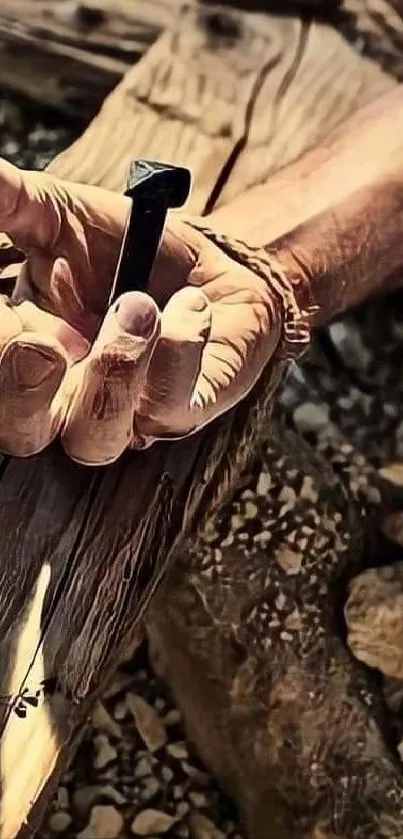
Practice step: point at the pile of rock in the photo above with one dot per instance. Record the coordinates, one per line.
(134, 774)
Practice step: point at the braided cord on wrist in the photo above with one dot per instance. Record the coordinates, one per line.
(296, 330)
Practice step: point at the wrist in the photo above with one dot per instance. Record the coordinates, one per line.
(290, 309)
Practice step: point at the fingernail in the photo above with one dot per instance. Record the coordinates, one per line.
(137, 314)
(32, 366)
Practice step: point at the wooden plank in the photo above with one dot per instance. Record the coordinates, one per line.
(80, 560)
(263, 80)
(64, 41)
(97, 38)
(306, 88)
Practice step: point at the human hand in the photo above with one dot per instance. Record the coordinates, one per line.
(155, 366)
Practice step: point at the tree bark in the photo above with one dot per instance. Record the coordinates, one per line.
(84, 549)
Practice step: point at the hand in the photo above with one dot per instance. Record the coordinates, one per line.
(155, 366)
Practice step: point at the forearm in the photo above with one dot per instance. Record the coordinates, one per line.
(335, 217)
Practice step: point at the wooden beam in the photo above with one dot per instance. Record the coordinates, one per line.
(46, 47)
(84, 549)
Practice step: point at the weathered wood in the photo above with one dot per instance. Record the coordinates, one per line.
(234, 105)
(97, 38)
(47, 47)
(80, 559)
(376, 27)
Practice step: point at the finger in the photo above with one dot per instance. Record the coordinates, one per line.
(103, 389)
(10, 323)
(59, 295)
(35, 350)
(165, 408)
(34, 318)
(31, 371)
(27, 213)
(31, 205)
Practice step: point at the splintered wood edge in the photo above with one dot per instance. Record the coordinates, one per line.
(30, 746)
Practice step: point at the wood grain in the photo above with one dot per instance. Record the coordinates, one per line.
(234, 105)
(376, 28)
(47, 46)
(84, 549)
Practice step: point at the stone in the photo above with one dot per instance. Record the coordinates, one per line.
(195, 774)
(105, 823)
(183, 809)
(202, 828)
(178, 750)
(172, 717)
(103, 721)
(143, 768)
(148, 723)
(120, 711)
(151, 789)
(152, 821)
(62, 798)
(311, 417)
(198, 799)
(59, 822)
(167, 774)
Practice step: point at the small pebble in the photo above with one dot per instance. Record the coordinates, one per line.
(60, 821)
(152, 821)
(62, 798)
(177, 792)
(202, 828)
(143, 768)
(102, 720)
(148, 723)
(120, 711)
(198, 799)
(167, 774)
(173, 717)
(195, 774)
(178, 750)
(105, 823)
(151, 789)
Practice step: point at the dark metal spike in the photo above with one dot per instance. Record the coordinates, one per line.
(154, 189)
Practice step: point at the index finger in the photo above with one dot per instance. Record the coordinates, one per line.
(27, 213)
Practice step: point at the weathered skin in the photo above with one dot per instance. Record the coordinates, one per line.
(247, 631)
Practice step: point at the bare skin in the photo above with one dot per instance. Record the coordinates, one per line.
(158, 365)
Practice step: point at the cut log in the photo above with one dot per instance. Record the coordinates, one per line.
(84, 549)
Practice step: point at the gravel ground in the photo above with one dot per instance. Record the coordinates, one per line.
(134, 774)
